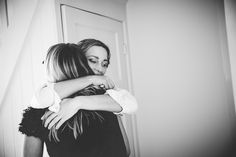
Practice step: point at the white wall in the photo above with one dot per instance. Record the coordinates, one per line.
(230, 14)
(27, 72)
(20, 14)
(181, 77)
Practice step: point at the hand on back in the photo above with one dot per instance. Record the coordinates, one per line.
(67, 109)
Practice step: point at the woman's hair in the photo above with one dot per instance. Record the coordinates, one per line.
(64, 62)
(88, 43)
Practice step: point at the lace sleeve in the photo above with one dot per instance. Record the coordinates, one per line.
(31, 123)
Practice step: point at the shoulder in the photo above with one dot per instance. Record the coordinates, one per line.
(31, 123)
(33, 113)
(43, 97)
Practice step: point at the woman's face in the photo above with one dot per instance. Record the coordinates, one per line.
(97, 59)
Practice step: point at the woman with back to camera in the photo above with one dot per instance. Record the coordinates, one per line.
(117, 100)
(88, 133)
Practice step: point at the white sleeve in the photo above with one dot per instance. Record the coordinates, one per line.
(126, 100)
(35, 101)
(49, 98)
(55, 107)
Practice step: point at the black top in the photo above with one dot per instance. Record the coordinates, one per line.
(99, 138)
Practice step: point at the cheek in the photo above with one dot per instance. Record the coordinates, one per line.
(104, 71)
(91, 66)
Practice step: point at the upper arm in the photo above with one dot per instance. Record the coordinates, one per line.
(43, 97)
(46, 96)
(33, 147)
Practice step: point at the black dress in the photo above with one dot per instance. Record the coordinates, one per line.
(100, 138)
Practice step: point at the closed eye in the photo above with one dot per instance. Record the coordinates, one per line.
(92, 61)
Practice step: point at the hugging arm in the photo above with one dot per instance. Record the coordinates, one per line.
(68, 87)
(69, 107)
(116, 101)
(33, 147)
(45, 96)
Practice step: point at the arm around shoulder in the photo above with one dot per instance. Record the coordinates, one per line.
(51, 93)
(43, 97)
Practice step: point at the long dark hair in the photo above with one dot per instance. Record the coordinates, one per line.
(64, 62)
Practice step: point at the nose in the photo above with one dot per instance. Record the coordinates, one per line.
(98, 70)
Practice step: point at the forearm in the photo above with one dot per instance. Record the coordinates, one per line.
(68, 87)
(115, 100)
(46, 95)
(98, 102)
(54, 92)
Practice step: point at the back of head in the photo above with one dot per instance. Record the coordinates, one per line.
(66, 61)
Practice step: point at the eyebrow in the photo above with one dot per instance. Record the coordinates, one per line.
(96, 57)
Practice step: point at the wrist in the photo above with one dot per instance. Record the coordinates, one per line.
(90, 79)
(79, 103)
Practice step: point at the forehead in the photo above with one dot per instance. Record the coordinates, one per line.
(97, 51)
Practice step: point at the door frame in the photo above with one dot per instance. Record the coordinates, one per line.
(115, 10)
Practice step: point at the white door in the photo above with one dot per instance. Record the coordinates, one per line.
(79, 24)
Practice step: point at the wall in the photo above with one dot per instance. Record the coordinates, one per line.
(26, 72)
(19, 15)
(35, 29)
(182, 80)
(230, 14)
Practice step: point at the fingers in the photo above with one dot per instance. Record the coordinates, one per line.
(58, 125)
(106, 83)
(54, 121)
(49, 119)
(45, 116)
(97, 87)
(103, 81)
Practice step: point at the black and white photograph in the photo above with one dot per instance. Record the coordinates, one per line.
(118, 78)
